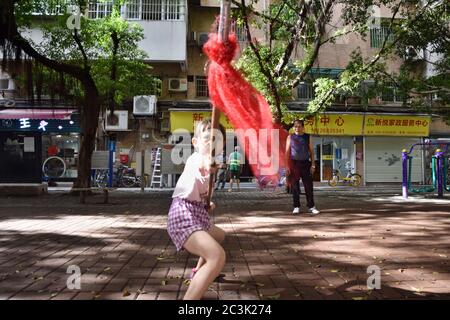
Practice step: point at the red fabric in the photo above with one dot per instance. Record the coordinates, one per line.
(244, 106)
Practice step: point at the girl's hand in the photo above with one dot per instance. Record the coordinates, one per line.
(212, 206)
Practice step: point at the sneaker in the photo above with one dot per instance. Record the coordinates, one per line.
(296, 210)
(313, 211)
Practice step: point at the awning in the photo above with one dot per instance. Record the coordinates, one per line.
(61, 114)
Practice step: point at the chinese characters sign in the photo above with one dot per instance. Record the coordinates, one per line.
(39, 125)
(329, 124)
(381, 125)
(335, 125)
(188, 120)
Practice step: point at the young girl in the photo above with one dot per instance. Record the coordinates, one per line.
(189, 223)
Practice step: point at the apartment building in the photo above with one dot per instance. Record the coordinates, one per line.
(368, 138)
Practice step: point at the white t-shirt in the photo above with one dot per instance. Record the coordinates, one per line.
(192, 185)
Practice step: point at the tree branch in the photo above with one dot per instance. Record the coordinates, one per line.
(319, 27)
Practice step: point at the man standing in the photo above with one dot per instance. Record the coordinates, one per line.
(221, 161)
(300, 165)
(235, 163)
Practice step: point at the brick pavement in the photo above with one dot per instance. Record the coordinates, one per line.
(124, 252)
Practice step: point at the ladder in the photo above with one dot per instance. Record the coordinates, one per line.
(156, 175)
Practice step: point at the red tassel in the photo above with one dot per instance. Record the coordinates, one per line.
(245, 107)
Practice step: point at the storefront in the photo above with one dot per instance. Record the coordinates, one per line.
(337, 143)
(369, 144)
(385, 136)
(28, 137)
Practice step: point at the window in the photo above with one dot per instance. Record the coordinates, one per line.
(305, 91)
(377, 36)
(4, 84)
(133, 10)
(155, 10)
(201, 86)
(241, 33)
(52, 7)
(99, 9)
(391, 94)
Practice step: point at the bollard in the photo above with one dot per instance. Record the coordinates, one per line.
(440, 173)
(405, 173)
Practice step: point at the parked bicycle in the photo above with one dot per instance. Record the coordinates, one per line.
(272, 181)
(353, 178)
(124, 176)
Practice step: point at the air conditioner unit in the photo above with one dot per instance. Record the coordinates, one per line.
(144, 105)
(116, 122)
(178, 84)
(202, 38)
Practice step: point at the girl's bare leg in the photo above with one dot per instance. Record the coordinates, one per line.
(201, 243)
(218, 235)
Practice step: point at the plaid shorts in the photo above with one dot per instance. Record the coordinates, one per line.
(185, 217)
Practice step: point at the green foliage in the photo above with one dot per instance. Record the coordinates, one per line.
(413, 26)
(101, 45)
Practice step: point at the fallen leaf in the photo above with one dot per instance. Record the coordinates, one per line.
(297, 295)
(141, 291)
(54, 294)
(160, 258)
(274, 297)
(318, 266)
(359, 298)
(38, 278)
(164, 282)
(334, 270)
(126, 293)
(401, 270)
(187, 282)
(442, 255)
(107, 269)
(96, 296)
(260, 284)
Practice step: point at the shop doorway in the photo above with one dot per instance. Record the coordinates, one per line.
(20, 157)
(337, 153)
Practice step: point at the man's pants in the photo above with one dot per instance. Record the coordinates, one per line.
(221, 178)
(303, 171)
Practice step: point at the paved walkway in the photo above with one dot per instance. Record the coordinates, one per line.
(123, 250)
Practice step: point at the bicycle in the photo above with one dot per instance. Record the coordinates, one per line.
(123, 177)
(353, 178)
(272, 181)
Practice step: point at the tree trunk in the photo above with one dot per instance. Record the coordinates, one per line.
(89, 123)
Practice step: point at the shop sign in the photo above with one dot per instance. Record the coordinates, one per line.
(188, 120)
(41, 125)
(335, 125)
(383, 125)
